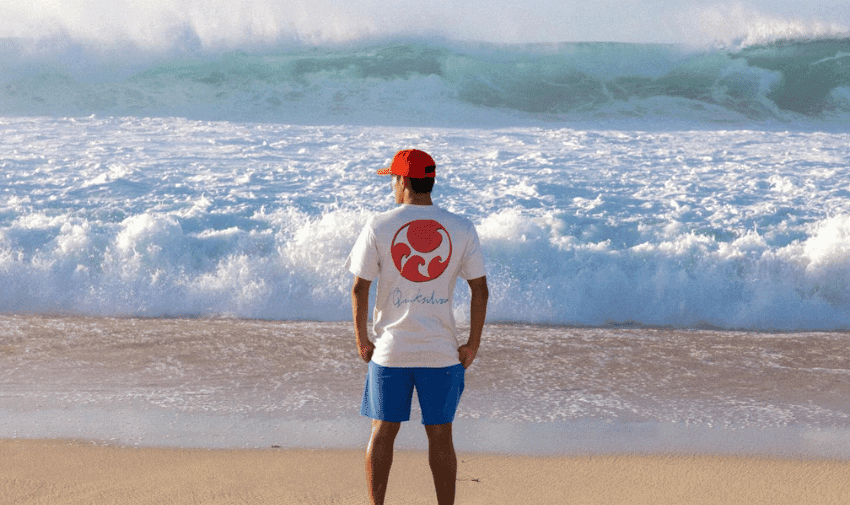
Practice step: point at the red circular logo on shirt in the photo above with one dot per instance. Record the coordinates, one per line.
(421, 250)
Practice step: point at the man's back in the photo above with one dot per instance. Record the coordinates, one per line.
(416, 252)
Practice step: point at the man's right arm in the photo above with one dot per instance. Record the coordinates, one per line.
(360, 311)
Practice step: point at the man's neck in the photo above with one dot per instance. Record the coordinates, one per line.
(411, 198)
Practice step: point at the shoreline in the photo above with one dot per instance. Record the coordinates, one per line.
(67, 472)
(139, 427)
(533, 390)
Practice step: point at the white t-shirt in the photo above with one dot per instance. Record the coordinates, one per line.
(416, 252)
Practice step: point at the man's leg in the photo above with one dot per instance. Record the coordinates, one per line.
(379, 458)
(443, 461)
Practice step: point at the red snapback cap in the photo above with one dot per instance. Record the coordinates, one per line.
(411, 163)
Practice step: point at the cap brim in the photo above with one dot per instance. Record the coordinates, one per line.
(385, 171)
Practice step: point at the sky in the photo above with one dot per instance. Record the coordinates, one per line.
(213, 23)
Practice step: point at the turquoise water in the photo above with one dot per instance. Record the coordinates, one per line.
(436, 82)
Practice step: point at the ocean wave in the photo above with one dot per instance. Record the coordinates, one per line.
(445, 83)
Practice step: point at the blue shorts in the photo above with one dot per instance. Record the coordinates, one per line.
(389, 392)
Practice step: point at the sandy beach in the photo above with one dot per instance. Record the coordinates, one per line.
(67, 472)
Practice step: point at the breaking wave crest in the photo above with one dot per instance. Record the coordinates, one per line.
(439, 82)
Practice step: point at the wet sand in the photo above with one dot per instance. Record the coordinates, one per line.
(534, 390)
(66, 472)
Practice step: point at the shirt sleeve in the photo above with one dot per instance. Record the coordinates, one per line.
(363, 260)
(473, 259)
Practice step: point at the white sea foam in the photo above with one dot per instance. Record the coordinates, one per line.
(580, 226)
(742, 24)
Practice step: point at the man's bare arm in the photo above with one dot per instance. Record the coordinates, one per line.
(360, 311)
(477, 314)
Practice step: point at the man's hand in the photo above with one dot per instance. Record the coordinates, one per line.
(366, 351)
(466, 353)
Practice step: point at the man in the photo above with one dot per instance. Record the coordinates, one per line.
(416, 251)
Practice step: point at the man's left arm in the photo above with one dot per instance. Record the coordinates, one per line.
(477, 313)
